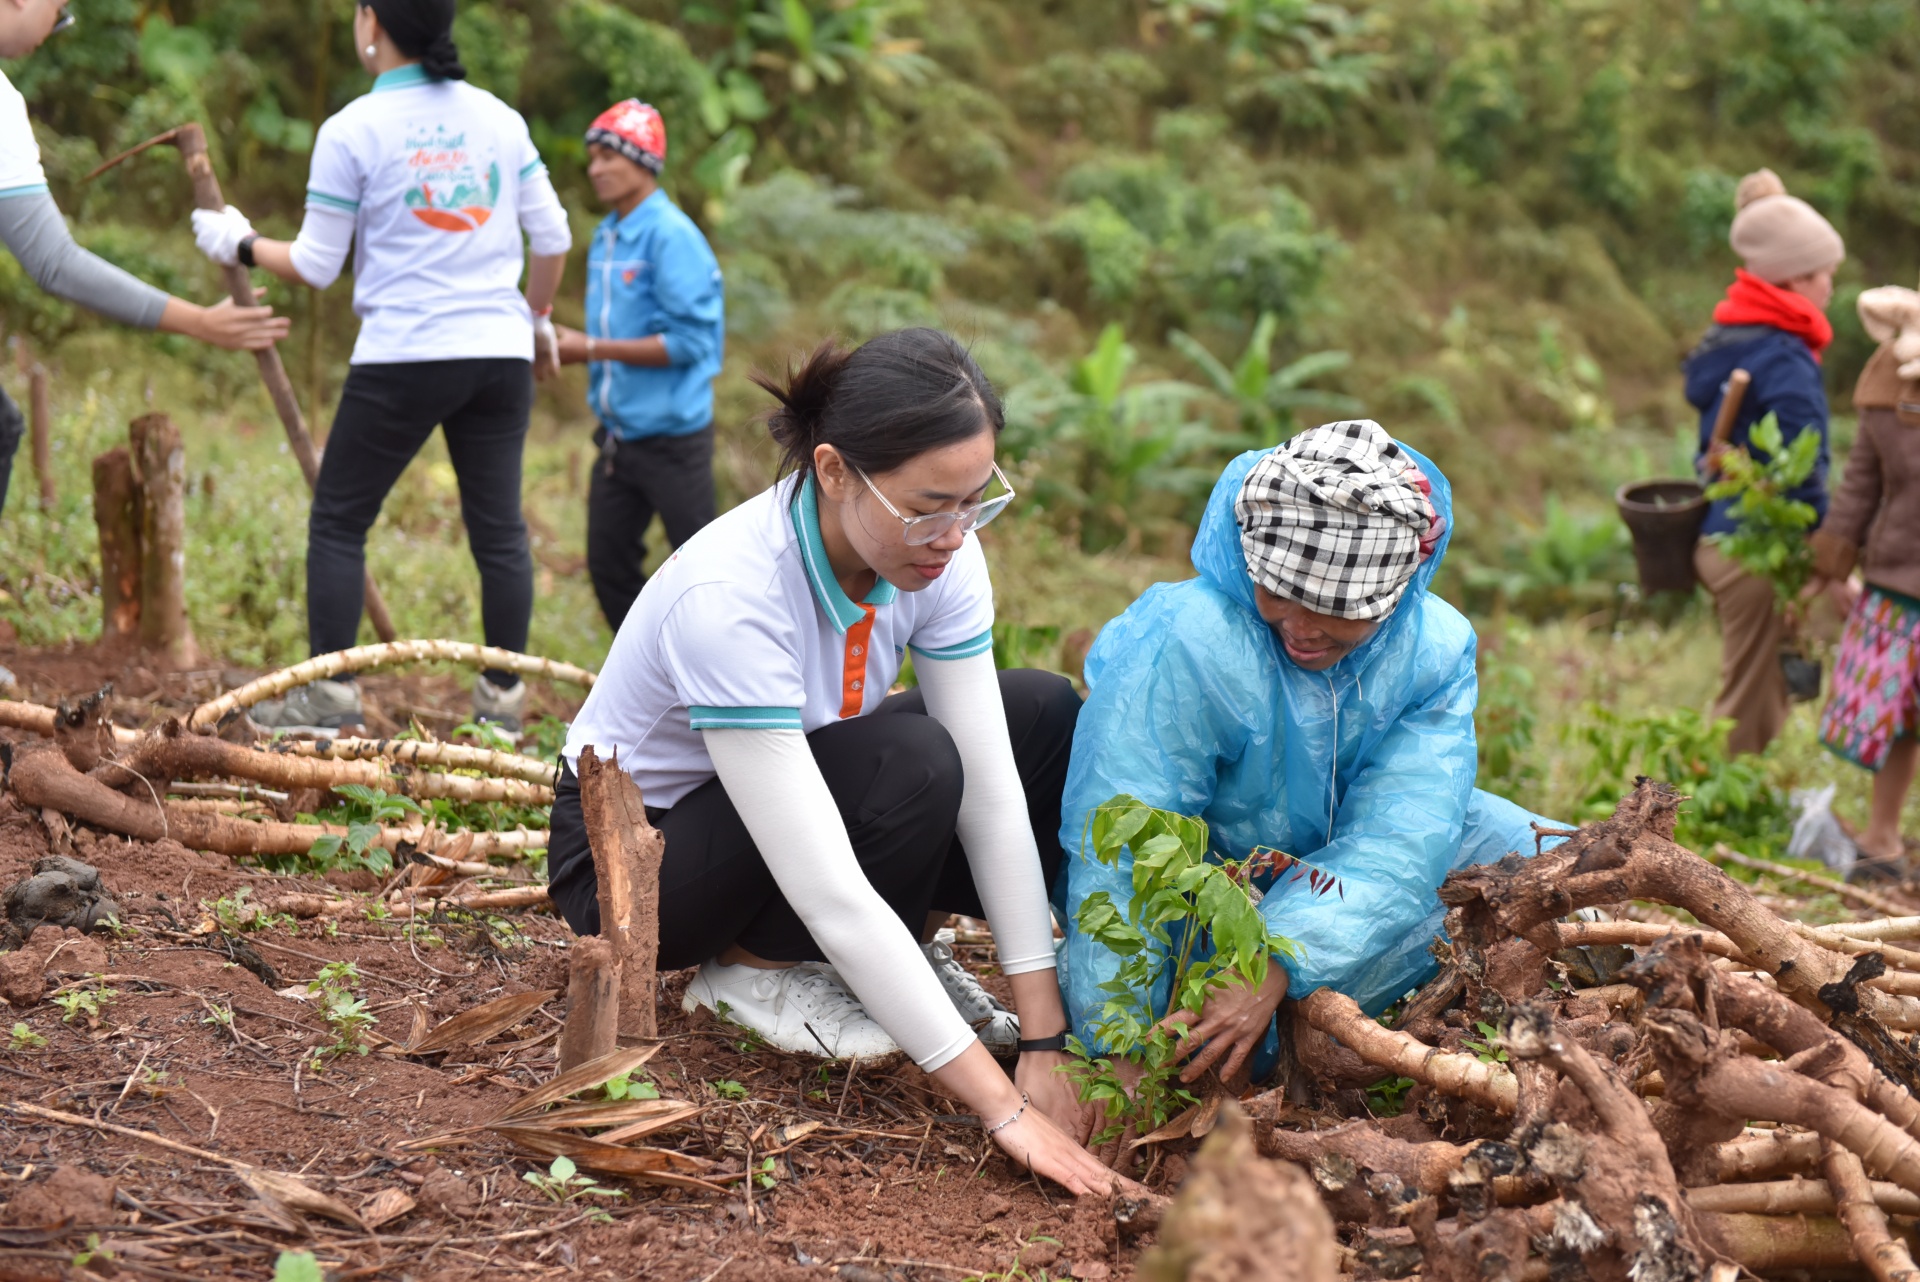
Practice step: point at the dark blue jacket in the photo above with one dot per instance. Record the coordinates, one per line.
(1786, 382)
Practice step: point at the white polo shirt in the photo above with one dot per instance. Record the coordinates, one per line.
(745, 627)
(433, 173)
(20, 172)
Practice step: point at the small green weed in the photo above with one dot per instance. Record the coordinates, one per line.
(234, 915)
(1485, 1050)
(297, 1266)
(729, 1090)
(89, 1002)
(346, 1014)
(91, 1252)
(367, 811)
(624, 1087)
(1389, 1098)
(562, 1182)
(24, 1039)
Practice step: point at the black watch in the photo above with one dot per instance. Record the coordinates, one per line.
(245, 251)
(1058, 1042)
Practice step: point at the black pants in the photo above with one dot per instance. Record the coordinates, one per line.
(13, 426)
(671, 475)
(896, 778)
(386, 414)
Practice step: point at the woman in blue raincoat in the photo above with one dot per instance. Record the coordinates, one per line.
(1306, 692)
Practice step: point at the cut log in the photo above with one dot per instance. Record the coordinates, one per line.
(160, 466)
(627, 850)
(116, 513)
(593, 1003)
(1336, 1014)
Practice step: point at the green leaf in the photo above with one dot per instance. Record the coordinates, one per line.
(297, 1266)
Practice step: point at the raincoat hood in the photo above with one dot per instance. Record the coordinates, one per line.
(1364, 771)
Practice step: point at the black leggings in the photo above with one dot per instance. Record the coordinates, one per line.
(896, 778)
(386, 414)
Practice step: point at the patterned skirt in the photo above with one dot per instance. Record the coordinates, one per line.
(1876, 680)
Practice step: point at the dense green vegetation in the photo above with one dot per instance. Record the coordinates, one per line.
(1171, 228)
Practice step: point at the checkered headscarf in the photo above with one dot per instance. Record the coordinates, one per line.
(1337, 520)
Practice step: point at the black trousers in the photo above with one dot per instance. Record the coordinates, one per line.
(895, 775)
(13, 426)
(386, 414)
(671, 475)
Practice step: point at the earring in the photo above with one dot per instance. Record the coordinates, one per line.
(373, 51)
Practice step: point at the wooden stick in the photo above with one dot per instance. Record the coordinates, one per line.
(116, 512)
(41, 417)
(1858, 1205)
(192, 142)
(1337, 1015)
(160, 467)
(1730, 399)
(593, 1003)
(191, 756)
(1794, 1197)
(1860, 895)
(451, 756)
(478, 901)
(1641, 934)
(361, 658)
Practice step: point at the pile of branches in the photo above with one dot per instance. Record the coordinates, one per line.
(1732, 1097)
(184, 782)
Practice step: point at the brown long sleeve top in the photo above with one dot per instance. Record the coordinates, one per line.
(1875, 516)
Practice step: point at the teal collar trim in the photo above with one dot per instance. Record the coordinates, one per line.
(401, 78)
(837, 605)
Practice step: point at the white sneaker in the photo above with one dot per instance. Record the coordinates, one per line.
(996, 1026)
(805, 1009)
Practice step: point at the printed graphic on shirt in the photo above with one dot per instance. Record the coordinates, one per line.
(447, 187)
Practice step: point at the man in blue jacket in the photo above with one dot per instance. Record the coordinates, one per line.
(656, 331)
(1306, 692)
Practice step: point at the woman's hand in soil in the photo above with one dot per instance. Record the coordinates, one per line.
(1043, 1148)
(1232, 1023)
(1042, 1075)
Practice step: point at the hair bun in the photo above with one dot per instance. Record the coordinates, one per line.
(803, 393)
(442, 59)
(1757, 185)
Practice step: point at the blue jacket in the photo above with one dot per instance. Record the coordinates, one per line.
(1365, 770)
(1786, 382)
(649, 273)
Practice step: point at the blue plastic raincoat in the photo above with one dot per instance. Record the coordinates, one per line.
(1365, 770)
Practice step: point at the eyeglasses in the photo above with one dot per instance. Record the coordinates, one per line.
(922, 530)
(65, 20)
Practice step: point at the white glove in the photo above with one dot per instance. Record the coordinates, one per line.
(546, 347)
(219, 232)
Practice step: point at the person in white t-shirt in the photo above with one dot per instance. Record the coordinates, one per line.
(818, 831)
(431, 183)
(34, 232)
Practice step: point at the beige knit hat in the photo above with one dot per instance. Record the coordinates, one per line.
(1780, 236)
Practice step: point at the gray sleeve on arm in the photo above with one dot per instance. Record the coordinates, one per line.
(32, 227)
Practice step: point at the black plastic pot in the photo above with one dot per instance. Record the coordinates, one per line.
(1803, 676)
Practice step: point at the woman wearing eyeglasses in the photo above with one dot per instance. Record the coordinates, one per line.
(817, 829)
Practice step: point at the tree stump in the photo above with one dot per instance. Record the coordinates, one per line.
(160, 465)
(593, 1004)
(116, 511)
(627, 850)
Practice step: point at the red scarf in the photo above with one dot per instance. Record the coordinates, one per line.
(1752, 301)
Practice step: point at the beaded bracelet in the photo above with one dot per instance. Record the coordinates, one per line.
(1024, 1101)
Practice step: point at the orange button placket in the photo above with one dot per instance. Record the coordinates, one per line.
(853, 677)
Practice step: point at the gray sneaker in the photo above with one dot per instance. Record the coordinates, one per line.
(504, 708)
(996, 1026)
(320, 707)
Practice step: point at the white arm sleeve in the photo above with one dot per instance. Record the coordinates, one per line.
(775, 786)
(319, 252)
(964, 696)
(543, 217)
